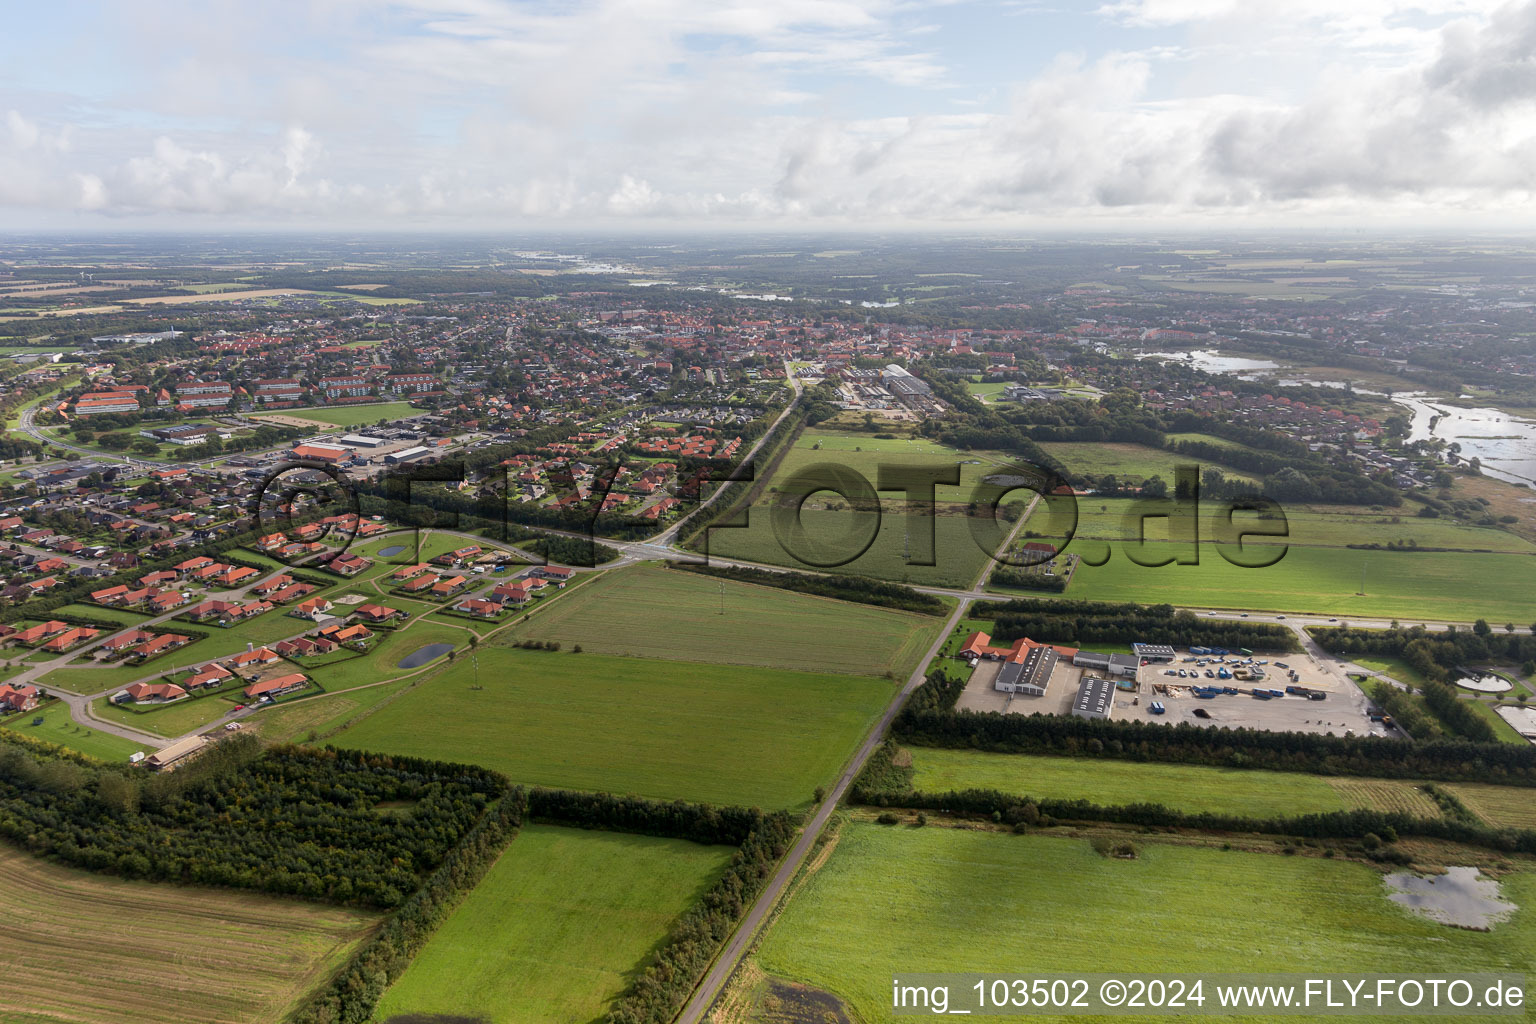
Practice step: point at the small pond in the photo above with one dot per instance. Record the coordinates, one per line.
(1460, 897)
(391, 551)
(421, 655)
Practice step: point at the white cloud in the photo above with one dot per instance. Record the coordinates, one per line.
(479, 112)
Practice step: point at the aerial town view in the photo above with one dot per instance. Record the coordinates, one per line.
(719, 513)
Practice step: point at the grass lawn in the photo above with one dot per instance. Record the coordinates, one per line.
(352, 415)
(1083, 460)
(618, 614)
(101, 950)
(382, 662)
(661, 729)
(171, 719)
(60, 727)
(293, 721)
(1397, 668)
(557, 929)
(901, 899)
(96, 611)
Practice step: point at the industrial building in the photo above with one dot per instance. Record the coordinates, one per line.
(1031, 675)
(1095, 698)
(406, 454)
(1125, 666)
(1153, 652)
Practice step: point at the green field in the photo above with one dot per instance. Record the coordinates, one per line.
(59, 726)
(940, 899)
(618, 614)
(169, 720)
(1091, 459)
(557, 929)
(1191, 788)
(96, 611)
(1509, 806)
(351, 415)
(381, 662)
(293, 721)
(661, 729)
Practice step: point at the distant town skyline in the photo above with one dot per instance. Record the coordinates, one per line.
(851, 114)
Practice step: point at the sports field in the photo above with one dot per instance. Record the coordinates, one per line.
(557, 927)
(894, 899)
(351, 415)
(651, 612)
(102, 950)
(58, 726)
(662, 729)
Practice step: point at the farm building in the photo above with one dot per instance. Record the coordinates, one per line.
(175, 752)
(1095, 698)
(1029, 675)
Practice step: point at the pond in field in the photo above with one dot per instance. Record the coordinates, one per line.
(391, 551)
(421, 655)
(1460, 897)
(1212, 361)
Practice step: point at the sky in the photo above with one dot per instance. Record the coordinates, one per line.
(779, 114)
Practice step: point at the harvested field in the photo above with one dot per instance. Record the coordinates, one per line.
(100, 949)
(1509, 806)
(1386, 795)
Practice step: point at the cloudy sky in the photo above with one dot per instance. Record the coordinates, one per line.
(767, 113)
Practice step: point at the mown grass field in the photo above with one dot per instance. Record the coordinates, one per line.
(293, 721)
(651, 612)
(662, 729)
(171, 719)
(1187, 787)
(352, 415)
(557, 929)
(1085, 460)
(102, 950)
(1192, 788)
(1501, 805)
(899, 899)
(60, 727)
(96, 611)
(383, 660)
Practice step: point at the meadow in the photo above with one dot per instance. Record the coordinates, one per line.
(557, 928)
(1092, 459)
(352, 415)
(169, 720)
(294, 721)
(661, 729)
(101, 950)
(707, 619)
(967, 900)
(59, 726)
(1509, 806)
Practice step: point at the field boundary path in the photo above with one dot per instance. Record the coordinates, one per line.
(741, 940)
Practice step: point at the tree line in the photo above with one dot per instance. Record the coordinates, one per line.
(1106, 622)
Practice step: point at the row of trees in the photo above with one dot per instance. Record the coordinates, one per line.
(1077, 622)
(860, 589)
(873, 787)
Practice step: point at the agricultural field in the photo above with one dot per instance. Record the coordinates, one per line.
(831, 531)
(101, 950)
(351, 415)
(59, 726)
(887, 891)
(1507, 806)
(1409, 587)
(617, 614)
(1400, 795)
(556, 929)
(661, 729)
